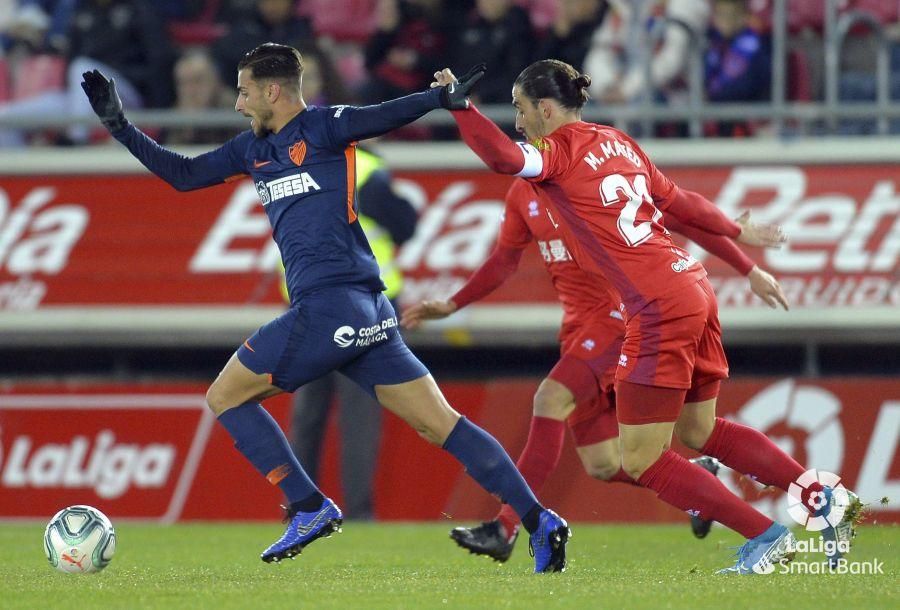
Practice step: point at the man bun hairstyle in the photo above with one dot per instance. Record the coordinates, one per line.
(554, 79)
(273, 61)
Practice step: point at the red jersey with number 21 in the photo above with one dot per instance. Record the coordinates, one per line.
(611, 195)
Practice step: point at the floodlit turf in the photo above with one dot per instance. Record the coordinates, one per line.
(417, 566)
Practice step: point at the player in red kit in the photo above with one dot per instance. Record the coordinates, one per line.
(612, 198)
(579, 389)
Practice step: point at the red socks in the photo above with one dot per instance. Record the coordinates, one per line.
(538, 459)
(750, 452)
(696, 491)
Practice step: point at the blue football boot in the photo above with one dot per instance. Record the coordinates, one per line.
(303, 529)
(762, 554)
(548, 543)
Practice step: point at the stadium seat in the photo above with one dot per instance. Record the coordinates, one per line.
(37, 74)
(203, 30)
(342, 20)
(799, 79)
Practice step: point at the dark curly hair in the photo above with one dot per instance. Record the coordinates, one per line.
(554, 79)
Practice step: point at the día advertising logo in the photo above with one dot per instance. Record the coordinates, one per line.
(817, 500)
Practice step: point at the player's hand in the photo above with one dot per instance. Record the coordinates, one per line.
(455, 92)
(104, 98)
(767, 288)
(757, 234)
(426, 310)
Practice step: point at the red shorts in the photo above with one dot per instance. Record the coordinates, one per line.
(587, 369)
(674, 342)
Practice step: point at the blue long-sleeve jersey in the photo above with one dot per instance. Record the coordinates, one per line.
(305, 177)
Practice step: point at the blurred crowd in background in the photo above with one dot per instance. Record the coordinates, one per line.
(182, 54)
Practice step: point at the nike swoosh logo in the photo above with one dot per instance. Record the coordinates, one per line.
(305, 529)
(258, 164)
(452, 87)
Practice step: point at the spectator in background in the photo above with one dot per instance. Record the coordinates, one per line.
(270, 21)
(123, 38)
(569, 39)
(405, 49)
(197, 88)
(321, 81)
(388, 221)
(616, 59)
(129, 37)
(498, 33)
(738, 61)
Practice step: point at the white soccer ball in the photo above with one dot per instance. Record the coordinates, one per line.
(79, 539)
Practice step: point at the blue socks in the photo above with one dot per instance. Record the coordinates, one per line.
(257, 435)
(488, 463)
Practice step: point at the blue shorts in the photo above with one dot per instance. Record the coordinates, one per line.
(351, 330)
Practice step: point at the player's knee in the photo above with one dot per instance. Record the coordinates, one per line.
(635, 463)
(602, 470)
(216, 400)
(435, 430)
(430, 435)
(693, 435)
(552, 402)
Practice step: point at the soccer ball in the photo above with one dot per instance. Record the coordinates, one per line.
(79, 539)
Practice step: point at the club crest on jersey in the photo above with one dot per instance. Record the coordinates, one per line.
(297, 152)
(533, 208)
(540, 144)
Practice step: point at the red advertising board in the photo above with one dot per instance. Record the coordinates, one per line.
(133, 240)
(153, 452)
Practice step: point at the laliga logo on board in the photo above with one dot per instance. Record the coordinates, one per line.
(344, 336)
(110, 468)
(816, 512)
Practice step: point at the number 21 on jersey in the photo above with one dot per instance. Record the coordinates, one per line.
(611, 190)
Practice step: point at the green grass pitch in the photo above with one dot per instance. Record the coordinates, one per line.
(417, 566)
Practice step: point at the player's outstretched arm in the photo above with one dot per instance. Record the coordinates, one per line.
(495, 270)
(361, 122)
(183, 173)
(697, 211)
(762, 283)
(486, 140)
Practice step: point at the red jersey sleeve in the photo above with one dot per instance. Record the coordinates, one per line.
(514, 231)
(536, 161)
(696, 210)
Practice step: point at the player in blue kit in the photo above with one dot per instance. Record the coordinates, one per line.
(301, 159)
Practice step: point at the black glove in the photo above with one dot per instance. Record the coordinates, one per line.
(101, 92)
(455, 95)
